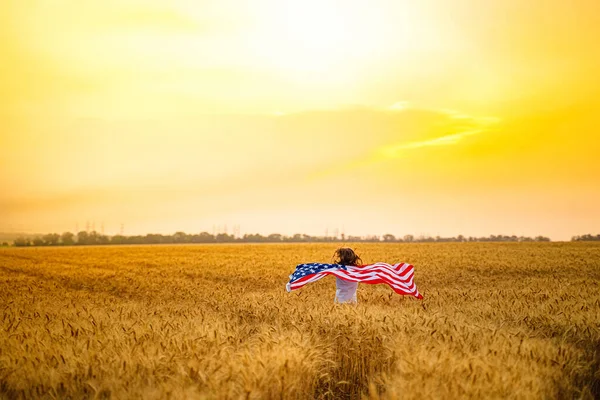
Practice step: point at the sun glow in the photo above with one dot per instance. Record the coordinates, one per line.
(320, 38)
(127, 110)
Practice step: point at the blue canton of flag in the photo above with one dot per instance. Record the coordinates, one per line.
(304, 270)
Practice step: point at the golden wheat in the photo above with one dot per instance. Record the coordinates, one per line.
(515, 320)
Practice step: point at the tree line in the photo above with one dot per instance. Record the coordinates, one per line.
(95, 238)
(586, 238)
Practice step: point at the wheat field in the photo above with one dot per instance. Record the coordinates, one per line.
(514, 320)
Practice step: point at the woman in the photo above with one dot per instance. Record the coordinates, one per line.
(345, 291)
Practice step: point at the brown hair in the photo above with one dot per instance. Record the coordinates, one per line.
(346, 256)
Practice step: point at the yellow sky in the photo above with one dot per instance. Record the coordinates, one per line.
(434, 117)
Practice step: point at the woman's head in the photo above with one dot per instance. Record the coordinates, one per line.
(346, 256)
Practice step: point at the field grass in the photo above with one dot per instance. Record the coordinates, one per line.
(514, 320)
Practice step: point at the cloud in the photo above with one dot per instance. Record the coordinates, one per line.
(394, 151)
(434, 128)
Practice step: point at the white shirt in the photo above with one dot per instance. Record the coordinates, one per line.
(345, 291)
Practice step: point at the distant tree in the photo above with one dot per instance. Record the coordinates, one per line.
(21, 242)
(254, 238)
(138, 239)
(542, 239)
(118, 239)
(586, 238)
(93, 237)
(425, 239)
(371, 238)
(67, 239)
(206, 237)
(180, 237)
(38, 241)
(307, 238)
(4, 244)
(152, 238)
(102, 239)
(224, 238)
(82, 238)
(51, 239)
(275, 237)
(388, 237)
(409, 238)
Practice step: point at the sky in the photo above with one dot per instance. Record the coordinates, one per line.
(437, 117)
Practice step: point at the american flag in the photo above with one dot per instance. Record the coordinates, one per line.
(400, 277)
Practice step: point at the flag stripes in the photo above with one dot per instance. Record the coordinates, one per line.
(400, 277)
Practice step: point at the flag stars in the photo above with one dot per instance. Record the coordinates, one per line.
(399, 279)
